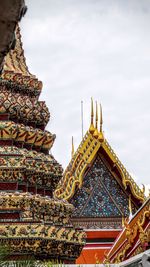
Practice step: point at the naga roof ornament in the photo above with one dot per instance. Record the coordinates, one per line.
(32, 222)
(134, 238)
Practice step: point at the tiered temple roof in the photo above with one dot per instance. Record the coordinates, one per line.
(94, 152)
(35, 223)
(100, 188)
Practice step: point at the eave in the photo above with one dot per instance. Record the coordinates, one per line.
(133, 237)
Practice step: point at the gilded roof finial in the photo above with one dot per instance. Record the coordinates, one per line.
(96, 122)
(96, 119)
(72, 151)
(92, 129)
(101, 136)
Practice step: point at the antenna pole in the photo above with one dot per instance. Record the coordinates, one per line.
(82, 118)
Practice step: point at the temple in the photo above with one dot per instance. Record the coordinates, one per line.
(101, 190)
(42, 211)
(32, 222)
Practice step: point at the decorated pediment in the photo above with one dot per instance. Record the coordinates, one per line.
(101, 195)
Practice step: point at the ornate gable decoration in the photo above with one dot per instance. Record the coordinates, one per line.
(134, 238)
(92, 142)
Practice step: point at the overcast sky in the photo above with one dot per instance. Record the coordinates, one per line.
(99, 48)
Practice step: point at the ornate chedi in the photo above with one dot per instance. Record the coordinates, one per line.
(100, 188)
(32, 222)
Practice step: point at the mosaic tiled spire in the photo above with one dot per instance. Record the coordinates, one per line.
(35, 223)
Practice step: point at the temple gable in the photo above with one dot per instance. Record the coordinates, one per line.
(97, 184)
(100, 194)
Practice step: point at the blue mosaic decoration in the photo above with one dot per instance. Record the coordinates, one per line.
(100, 195)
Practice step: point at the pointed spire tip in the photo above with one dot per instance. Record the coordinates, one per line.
(92, 129)
(72, 151)
(101, 136)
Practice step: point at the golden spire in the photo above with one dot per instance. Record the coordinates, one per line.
(101, 136)
(96, 123)
(96, 119)
(72, 152)
(101, 118)
(92, 129)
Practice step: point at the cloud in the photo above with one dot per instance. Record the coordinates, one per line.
(94, 48)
